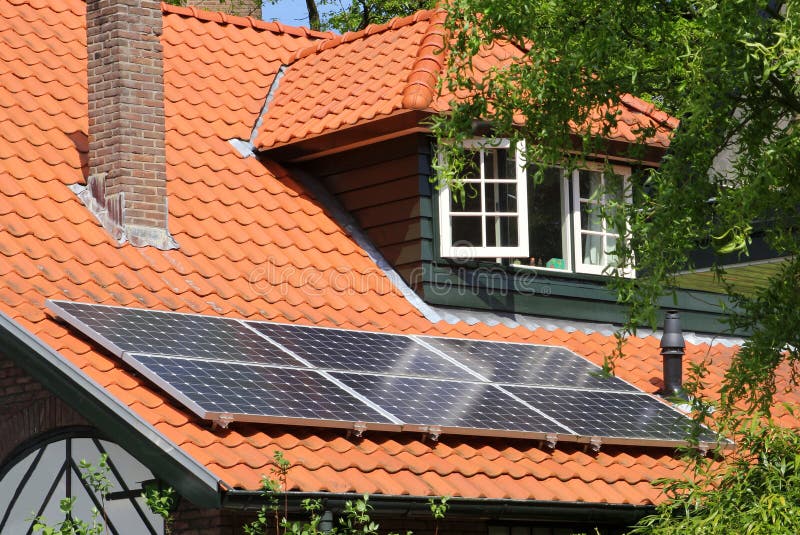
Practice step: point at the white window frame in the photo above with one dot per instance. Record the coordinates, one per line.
(578, 232)
(450, 250)
(571, 231)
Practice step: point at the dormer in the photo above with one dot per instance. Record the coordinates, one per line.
(353, 113)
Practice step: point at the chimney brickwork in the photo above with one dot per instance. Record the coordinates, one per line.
(126, 187)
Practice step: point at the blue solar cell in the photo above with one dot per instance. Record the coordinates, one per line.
(123, 329)
(528, 364)
(361, 351)
(256, 391)
(446, 403)
(608, 414)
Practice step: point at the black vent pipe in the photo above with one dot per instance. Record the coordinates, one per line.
(672, 349)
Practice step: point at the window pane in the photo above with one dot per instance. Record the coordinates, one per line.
(489, 157)
(506, 164)
(472, 199)
(473, 170)
(545, 221)
(501, 197)
(466, 230)
(611, 244)
(614, 186)
(501, 231)
(591, 218)
(590, 182)
(593, 249)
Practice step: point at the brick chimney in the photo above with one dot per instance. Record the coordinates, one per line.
(127, 184)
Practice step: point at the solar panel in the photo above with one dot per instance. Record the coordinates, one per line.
(361, 351)
(137, 330)
(223, 368)
(451, 405)
(527, 364)
(252, 392)
(608, 414)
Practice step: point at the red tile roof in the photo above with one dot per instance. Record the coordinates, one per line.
(253, 244)
(393, 68)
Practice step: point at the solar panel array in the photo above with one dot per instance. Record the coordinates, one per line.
(227, 369)
(239, 389)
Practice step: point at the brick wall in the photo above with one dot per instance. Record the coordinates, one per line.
(127, 164)
(191, 520)
(28, 409)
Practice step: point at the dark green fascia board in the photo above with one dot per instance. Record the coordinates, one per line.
(115, 420)
(501, 288)
(538, 304)
(604, 514)
(561, 307)
(498, 278)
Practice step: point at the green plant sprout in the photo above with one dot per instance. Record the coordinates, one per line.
(162, 502)
(355, 517)
(97, 478)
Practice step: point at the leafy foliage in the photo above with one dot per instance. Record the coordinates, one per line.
(755, 491)
(727, 70)
(354, 519)
(162, 502)
(361, 13)
(96, 476)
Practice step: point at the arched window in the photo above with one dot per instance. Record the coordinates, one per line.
(45, 470)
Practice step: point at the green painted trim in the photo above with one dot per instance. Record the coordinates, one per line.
(496, 277)
(561, 307)
(426, 250)
(491, 286)
(426, 228)
(116, 422)
(535, 304)
(425, 209)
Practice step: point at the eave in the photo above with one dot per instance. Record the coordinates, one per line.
(387, 127)
(114, 419)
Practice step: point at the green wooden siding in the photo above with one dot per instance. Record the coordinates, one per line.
(381, 185)
(386, 187)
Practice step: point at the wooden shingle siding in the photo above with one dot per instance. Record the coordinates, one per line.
(385, 186)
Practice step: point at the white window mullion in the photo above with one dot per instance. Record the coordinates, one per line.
(490, 218)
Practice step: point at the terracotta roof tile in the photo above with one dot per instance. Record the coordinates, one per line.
(245, 230)
(392, 68)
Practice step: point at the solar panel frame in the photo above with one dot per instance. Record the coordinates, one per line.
(149, 331)
(515, 393)
(565, 367)
(319, 346)
(430, 405)
(597, 407)
(152, 368)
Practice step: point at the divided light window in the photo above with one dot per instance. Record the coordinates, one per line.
(490, 222)
(555, 225)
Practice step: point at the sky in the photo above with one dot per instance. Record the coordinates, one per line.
(291, 12)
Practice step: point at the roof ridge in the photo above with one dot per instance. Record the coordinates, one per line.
(372, 29)
(245, 22)
(421, 84)
(650, 110)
